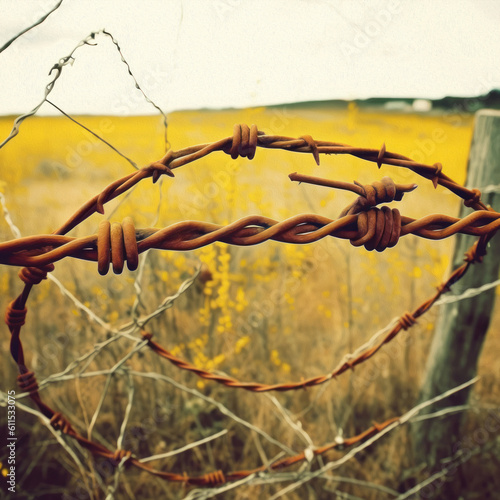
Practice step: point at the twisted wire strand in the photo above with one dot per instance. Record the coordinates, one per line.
(406, 321)
(244, 142)
(8, 43)
(44, 250)
(362, 223)
(211, 479)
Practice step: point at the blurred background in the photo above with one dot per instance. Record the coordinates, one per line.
(179, 73)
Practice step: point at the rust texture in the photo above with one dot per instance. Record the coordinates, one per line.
(362, 222)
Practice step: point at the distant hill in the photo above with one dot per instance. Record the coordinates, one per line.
(489, 100)
(455, 103)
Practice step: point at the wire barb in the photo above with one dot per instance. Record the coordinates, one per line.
(117, 243)
(35, 275)
(27, 382)
(244, 142)
(474, 199)
(60, 423)
(378, 229)
(120, 455)
(15, 318)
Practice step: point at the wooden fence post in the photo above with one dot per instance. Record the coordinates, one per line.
(462, 326)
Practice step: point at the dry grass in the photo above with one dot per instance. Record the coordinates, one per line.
(329, 297)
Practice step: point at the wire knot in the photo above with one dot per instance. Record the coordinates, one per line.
(443, 288)
(435, 179)
(27, 382)
(35, 275)
(116, 243)
(157, 169)
(15, 317)
(119, 455)
(383, 191)
(214, 478)
(407, 320)
(154, 170)
(244, 142)
(378, 229)
(60, 423)
(147, 336)
(475, 198)
(472, 255)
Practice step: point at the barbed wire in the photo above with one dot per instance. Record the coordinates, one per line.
(117, 151)
(376, 229)
(36, 23)
(57, 70)
(307, 475)
(491, 188)
(218, 478)
(468, 294)
(361, 222)
(448, 465)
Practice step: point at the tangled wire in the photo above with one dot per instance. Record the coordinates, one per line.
(363, 223)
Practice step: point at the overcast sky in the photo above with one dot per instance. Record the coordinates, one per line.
(237, 53)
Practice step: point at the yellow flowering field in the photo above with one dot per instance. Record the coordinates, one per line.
(270, 313)
(53, 166)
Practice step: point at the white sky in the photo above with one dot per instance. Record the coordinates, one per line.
(224, 53)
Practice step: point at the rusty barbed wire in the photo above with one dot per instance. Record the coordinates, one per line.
(57, 69)
(218, 477)
(406, 321)
(375, 229)
(361, 222)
